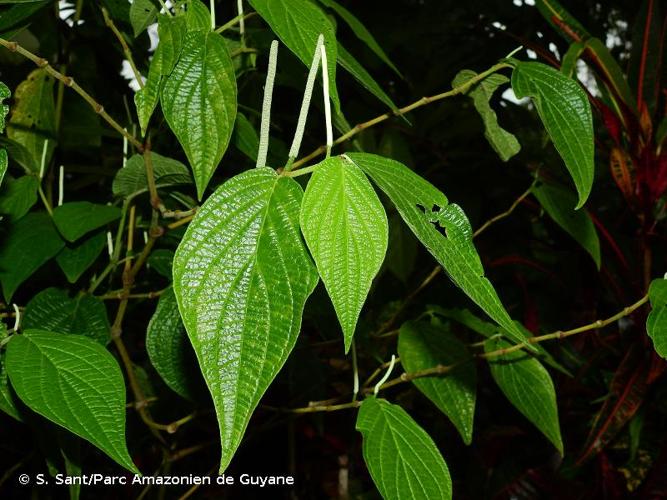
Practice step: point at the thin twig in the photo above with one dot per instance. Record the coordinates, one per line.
(126, 49)
(69, 82)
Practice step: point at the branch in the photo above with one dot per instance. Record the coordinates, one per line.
(126, 50)
(69, 82)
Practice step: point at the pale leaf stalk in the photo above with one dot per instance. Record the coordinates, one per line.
(305, 104)
(266, 106)
(212, 4)
(377, 387)
(239, 6)
(61, 185)
(327, 100)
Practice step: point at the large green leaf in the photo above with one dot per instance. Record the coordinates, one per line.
(346, 230)
(4, 109)
(442, 228)
(360, 31)
(403, 460)
(199, 102)
(298, 24)
(170, 350)
(352, 66)
(197, 16)
(566, 113)
(528, 386)
(17, 196)
(53, 309)
(75, 260)
(502, 142)
(422, 345)
(558, 202)
(29, 244)
(131, 180)
(241, 277)
(33, 118)
(142, 14)
(77, 218)
(656, 323)
(74, 382)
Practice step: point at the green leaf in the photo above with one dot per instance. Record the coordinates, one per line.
(161, 261)
(8, 400)
(74, 382)
(172, 31)
(142, 14)
(360, 31)
(558, 202)
(403, 460)
(197, 16)
(443, 229)
(298, 24)
(422, 346)
(345, 227)
(241, 277)
(29, 244)
(17, 196)
(52, 309)
(199, 102)
(169, 349)
(19, 13)
(566, 113)
(146, 99)
(33, 118)
(246, 139)
(131, 181)
(558, 17)
(528, 386)
(352, 66)
(656, 323)
(75, 260)
(503, 142)
(77, 218)
(568, 65)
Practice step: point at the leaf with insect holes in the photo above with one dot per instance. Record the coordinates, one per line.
(199, 102)
(503, 142)
(566, 114)
(528, 386)
(142, 14)
(298, 24)
(74, 382)
(345, 227)
(241, 277)
(443, 229)
(656, 323)
(403, 460)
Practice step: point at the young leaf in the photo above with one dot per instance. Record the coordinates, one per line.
(656, 323)
(29, 244)
(170, 350)
(131, 181)
(199, 102)
(197, 16)
(568, 65)
(74, 261)
(502, 142)
(421, 346)
(345, 227)
(558, 202)
(142, 14)
(33, 118)
(52, 309)
(403, 460)
(241, 277)
(298, 24)
(17, 196)
(566, 113)
(74, 382)
(360, 31)
(528, 386)
(442, 228)
(352, 66)
(77, 218)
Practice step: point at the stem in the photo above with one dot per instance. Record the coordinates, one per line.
(69, 82)
(504, 214)
(406, 109)
(156, 203)
(235, 21)
(126, 50)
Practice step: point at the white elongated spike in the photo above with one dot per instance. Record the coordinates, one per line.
(61, 185)
(266, 106)
(327, 101)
